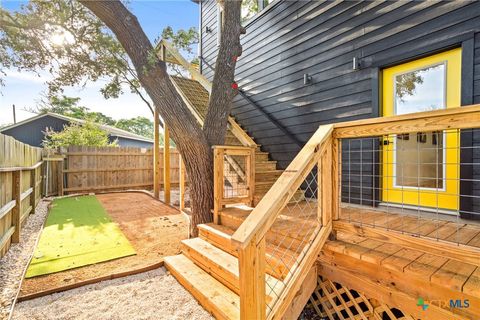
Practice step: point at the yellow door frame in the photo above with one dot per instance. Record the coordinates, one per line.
(448, 196)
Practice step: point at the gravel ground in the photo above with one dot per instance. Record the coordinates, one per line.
(150, 295)
(14, 262)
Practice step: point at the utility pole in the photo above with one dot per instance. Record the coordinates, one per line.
(14, 115)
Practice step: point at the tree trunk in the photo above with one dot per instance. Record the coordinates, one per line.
(223, 91)
(193, 142)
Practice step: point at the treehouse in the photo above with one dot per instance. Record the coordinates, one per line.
(350, 175)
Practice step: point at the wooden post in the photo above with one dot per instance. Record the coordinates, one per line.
(33, 184)
(336, 161)
(251, 175)
(181, 181)
(17, 210)
(251, 261)
(218, 154)
(156, 156)
(166, 164)
(326, 177)
(60, 177)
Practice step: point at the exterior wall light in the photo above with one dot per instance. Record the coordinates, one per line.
(307, 79)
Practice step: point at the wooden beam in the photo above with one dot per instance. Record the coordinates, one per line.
(325, 175)
(6, 208)
(156, 155)
(181, 179)
(6, 236)
(462, 253)
(26, 193)
(11, 169)
(17, 209)
(70, 171)
(240, 134)
(33, 184)
(336, 181)
(60, 177)
(452, 118)
(251, 176)
(166, 164)
(251, 265)
(217, 183)
(120, 186)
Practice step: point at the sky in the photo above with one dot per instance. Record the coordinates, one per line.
(25, 89)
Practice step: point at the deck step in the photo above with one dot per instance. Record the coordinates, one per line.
(223, 266)
(265, 165)
(279, 259)
(261, 156)
(270, 175)
(215, 297)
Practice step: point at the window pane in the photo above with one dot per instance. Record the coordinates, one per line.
(249, 9)
(420, 90)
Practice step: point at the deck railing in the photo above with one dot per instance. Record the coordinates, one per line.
(295, 218)
(413, 179)
(308, 196)
(234, 176)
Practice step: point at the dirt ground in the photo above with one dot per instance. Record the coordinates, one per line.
(153, 228)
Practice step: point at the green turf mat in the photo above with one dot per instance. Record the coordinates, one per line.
(78, 232)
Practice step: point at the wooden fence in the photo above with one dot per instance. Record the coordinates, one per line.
(20, 187)
(94, 169)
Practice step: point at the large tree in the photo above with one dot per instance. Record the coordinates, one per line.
(193, 141)
(65, 39)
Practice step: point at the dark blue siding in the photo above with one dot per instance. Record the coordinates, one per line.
(293, 38)
(32, 133)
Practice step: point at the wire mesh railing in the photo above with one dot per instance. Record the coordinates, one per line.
(291, 235)
(286, 230)
(234, 176)
(421, 183)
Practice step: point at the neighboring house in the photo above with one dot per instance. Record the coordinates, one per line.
(32, 131)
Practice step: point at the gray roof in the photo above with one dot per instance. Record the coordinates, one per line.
(111, 130)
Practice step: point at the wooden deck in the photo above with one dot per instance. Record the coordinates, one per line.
(398, 273)
(423, 224)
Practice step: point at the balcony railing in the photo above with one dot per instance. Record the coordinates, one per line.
(327, 181)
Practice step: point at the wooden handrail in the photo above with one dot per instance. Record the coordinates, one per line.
(10, 169)
(264, 214)
(466, 117)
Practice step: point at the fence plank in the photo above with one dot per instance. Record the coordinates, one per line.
(17, 161)
(17, 210)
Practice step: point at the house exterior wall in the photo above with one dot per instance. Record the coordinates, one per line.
(32, 133)
(125, 142)
(321, 38)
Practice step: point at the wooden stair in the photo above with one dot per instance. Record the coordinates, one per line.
(208, 265)
(196, 97)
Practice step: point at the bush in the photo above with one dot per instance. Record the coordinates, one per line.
(87, 134)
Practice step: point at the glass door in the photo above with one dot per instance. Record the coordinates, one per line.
(422, 168)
